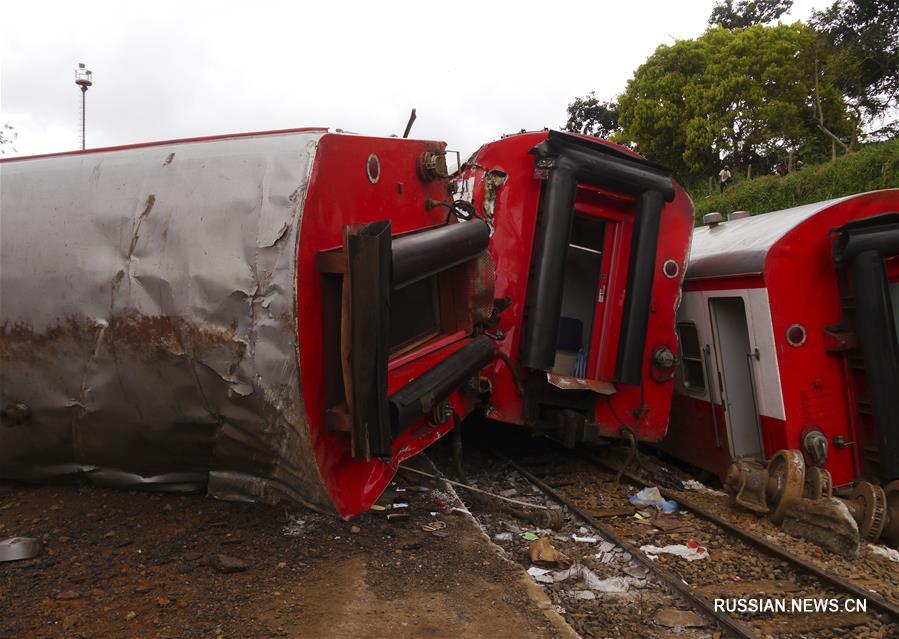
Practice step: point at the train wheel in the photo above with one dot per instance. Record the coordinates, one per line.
(786, 479)
(872, 502)
(891, 528)
(818, 483)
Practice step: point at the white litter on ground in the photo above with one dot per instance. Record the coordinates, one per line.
(299, 525)
(692, 484)
(583, 540)
(690, 554)
(612, 585)
(890, 553)
(534, 571)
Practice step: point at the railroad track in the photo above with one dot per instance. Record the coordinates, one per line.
(740, 562)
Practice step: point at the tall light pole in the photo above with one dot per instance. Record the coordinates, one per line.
(84, 79)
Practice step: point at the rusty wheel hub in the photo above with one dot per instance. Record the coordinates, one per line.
(891, 526)
(745, 483)
(871, 510)
(818, 484)
(786, 478)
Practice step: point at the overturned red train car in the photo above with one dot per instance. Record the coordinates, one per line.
(289, 315)
(788, 330)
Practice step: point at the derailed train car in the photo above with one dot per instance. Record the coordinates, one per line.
(289, 315)
(790, 356)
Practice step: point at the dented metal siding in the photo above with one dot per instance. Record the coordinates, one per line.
(148, 318)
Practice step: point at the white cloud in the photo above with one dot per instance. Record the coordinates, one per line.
(474, 70)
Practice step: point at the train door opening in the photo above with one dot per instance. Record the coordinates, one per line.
(735, 382)
(581, 293)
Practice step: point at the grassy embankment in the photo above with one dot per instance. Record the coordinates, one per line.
(875, 166)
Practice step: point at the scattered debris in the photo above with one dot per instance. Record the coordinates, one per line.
(611, 585)
(652, 497)
(691, 552)
(616, 511)
(529, 536)
(692, 484)
(543, 551)
(397, 516)
(434, 526)
(18, 548)
(505, 536)
(890, 553)
(297, 526)
(583, 540)
(584, 595)
(227, 564)
(674, 618)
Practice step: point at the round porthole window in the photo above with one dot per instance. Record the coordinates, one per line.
(670, 269)
(796, 335)
(373, 168)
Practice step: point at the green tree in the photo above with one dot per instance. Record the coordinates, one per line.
(745, 13)
(863, 56)
(730, 96)
(8, 135)
(590, 116)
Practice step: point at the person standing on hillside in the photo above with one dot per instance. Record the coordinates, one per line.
(724, 176)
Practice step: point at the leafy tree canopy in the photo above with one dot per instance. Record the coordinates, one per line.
(8, 135)
(745, 13)
(591, 116)
(863, 36)
(730, 95)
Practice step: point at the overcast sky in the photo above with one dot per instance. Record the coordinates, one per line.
(473, 70)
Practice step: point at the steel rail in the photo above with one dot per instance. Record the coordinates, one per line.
(879, 602)
(672, 580)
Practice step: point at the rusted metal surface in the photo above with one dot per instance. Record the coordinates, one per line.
(148, 313)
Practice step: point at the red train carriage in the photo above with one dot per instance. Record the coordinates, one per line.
(789, 338)
(289, 315)
(590, 242)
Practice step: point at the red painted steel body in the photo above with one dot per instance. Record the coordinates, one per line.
(341, 194)
(797, 388)
(275, 433)
(515, 210)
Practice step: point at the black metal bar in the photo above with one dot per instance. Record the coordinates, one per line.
(572, 159)
(876, 332)
(876, 233)
(673, 581)
(602, 165)
(368, 255)
(418, 397)
(420, 255)
(638, 295)
(548, 269)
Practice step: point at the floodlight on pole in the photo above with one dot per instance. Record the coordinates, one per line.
(84, 78)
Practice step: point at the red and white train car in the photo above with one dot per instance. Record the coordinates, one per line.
(788, 336)
(289, 315)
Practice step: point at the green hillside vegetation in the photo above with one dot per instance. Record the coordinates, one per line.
(874, 166)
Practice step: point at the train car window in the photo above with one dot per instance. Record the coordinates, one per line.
(414, 314)
(691, 356)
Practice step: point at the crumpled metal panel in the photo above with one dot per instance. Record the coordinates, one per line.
(148, 318)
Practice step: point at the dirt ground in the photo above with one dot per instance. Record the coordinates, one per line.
(141, 565)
